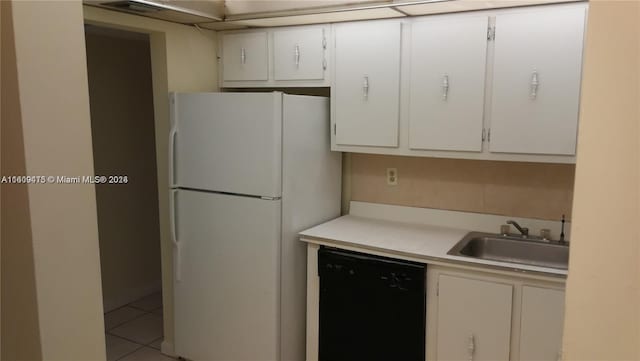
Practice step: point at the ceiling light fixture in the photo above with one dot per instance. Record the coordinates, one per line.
(327, 10)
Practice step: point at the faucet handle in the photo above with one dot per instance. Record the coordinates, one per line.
(505, 229)
(545, 233)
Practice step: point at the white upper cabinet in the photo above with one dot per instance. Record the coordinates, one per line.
(542, 323)
(245, 56)
(499, 84)
(536, 81)
(447, 83)
(294, 56)
(474, 319)
(366, 86)
(299, 53)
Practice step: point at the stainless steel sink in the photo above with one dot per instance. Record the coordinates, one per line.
(495, 247)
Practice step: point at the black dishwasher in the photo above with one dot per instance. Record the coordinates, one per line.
(371, 308)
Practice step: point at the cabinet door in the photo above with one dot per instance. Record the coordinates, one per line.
(299, 54)
(367, 83)
(541, 324)
(536, 81)
(448, 62)
(474, 319)
(245, 56)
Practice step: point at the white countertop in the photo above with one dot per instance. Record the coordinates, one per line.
(418, 241)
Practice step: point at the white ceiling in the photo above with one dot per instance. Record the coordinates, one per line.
(262, 13)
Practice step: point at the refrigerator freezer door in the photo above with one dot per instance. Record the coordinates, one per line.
(227, 299)
(227, 142)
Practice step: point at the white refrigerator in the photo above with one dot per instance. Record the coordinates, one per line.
(247, 172)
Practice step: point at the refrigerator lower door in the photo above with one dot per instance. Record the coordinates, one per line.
(227, 295)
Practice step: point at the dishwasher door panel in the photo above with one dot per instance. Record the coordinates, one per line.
(371, 308)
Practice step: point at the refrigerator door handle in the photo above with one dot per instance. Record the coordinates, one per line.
(174, 237)
(172, 156)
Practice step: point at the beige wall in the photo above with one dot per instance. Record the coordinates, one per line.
(1, 31)
(532, 190)
(20, 323)
(603, 289)
(52, 311)
(121, 99)
(182, 59)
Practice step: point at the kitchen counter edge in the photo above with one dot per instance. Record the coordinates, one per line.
(367, 235)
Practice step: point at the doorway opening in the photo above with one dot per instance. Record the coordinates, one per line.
(124, 151)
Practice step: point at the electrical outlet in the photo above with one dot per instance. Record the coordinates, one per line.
(392, 176)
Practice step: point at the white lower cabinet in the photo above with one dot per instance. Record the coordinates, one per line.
(542, 317)
(474, 319)
(476, 316)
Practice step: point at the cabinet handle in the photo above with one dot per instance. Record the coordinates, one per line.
(243, 56)
(296, 55)
(472, 346)
(365, 87)
(534, 84)
(445, 86)
(324, 40)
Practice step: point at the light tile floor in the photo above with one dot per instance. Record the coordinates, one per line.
(134, 332)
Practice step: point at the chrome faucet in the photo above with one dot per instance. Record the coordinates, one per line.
(523, 230)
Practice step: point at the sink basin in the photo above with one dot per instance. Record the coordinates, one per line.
(527, 251)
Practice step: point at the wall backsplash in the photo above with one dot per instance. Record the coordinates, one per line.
(531, 190)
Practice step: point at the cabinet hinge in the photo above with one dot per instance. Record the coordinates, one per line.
(334, 129)
(489, 135)
(324, 64)
(491, 33)
(483, 134)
